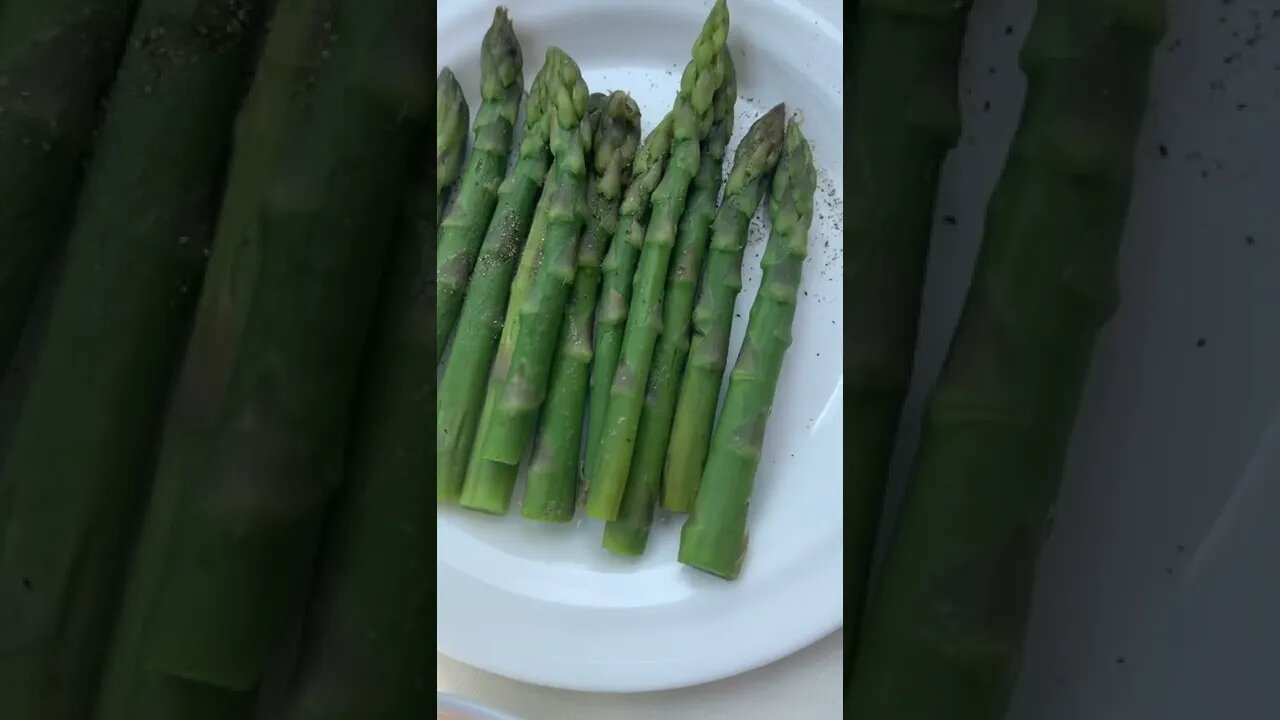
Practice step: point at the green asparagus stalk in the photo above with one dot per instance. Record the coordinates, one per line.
(714, 539)
(463, 230)
(58, 59)
(488, 485)
(629, 534)
(247, 532)
(904, 125)
(695, 113)
(480, 325)
(712, 316)
(365, 649)
(542, 312)
(618, 275)
(452, 115)
(950, 609)
(551, 491)
(79, 456)
(271, 114)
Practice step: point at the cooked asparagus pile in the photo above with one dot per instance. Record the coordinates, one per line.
(950, 609)
(542, 311)
(451, 136)
(79, 458)
(463, 230)
(547, 268)
(714, 538)
(712, 317)
(549, 357)
(487, 486)
(901, 150)
(480, 325)
(617, 275)
(628, 534)
(551, 491)
(694, 115)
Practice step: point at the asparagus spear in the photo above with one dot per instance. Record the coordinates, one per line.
(466, 371)
(714, 539)
(542, 311)
(80, 450)
(487, 485)
(695, 112)
(452, 114)
(712, 316)
(949, 612)
(249, 528)
(904, 125)
(551, 490)
(463, 230)
(282, 88)
(629, 534)
(618, 274)
(57, 58)
(365, 651)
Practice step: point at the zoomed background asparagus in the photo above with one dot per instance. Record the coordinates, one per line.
(295, 49)
(80, 455)
(58, 59)
(950, 608)
(248, 532)
(900, 150)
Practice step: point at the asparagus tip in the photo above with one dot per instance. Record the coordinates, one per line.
(777, 115)
(501, 60)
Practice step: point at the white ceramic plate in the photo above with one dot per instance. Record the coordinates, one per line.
(452, 707)
(546, 604)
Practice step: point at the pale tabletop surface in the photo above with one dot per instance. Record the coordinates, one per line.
(805, 685)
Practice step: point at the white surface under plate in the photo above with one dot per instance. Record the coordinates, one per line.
(546, 604)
